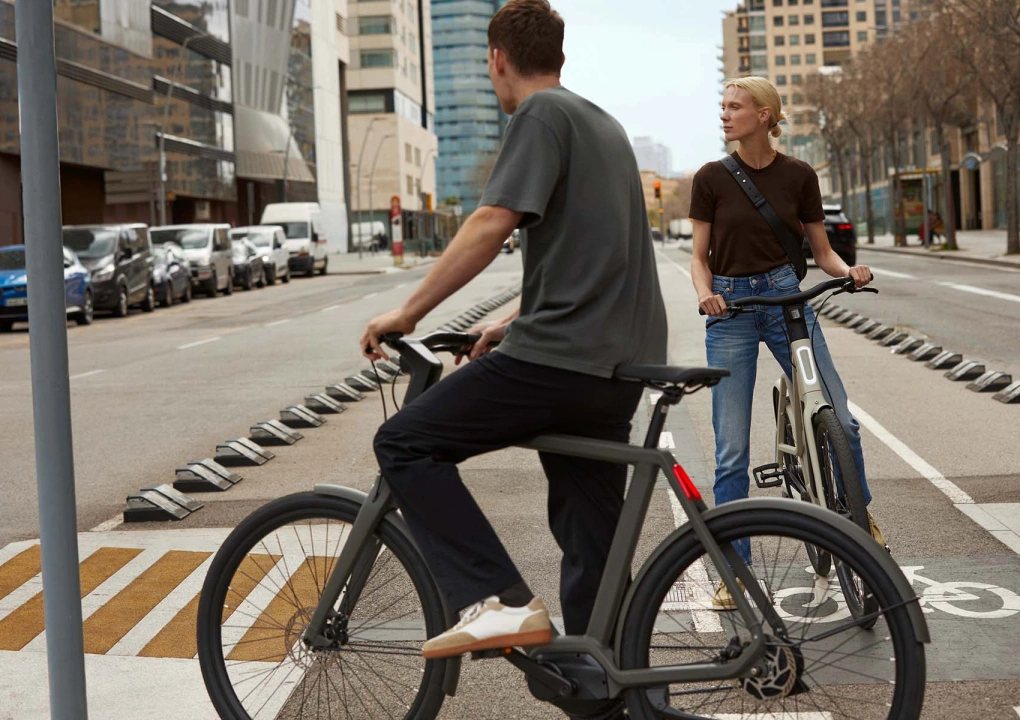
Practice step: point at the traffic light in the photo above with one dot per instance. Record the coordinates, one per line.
(658, 190)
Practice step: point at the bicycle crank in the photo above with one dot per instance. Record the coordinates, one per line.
(778, 674)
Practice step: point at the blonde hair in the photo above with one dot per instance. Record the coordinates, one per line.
(763, 95)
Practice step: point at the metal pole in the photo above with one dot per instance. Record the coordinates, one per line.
(361, 156)
(286, 161)
(371, 178)
(162, 128)
(421, 201)
(51, 392)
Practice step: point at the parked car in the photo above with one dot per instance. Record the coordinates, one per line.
(512, 243)
(269, 239)
(306, 238)
(78, 293)
(207, 249)
(368, 235)
(842, 235)
(120, 260)
(171, 273)
(248, 268)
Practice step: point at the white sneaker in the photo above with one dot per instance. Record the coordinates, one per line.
(491, 625)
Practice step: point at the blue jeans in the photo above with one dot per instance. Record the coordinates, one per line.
(733, 345)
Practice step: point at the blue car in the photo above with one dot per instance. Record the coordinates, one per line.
(78, 295)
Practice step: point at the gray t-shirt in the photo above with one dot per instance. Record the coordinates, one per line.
(590, 300)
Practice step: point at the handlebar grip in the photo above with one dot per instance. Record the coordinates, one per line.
(701, 311)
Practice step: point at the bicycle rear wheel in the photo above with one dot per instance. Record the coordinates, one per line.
(830, 667)
(260, 593)
(834, 452)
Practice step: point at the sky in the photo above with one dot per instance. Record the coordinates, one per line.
(652, 64)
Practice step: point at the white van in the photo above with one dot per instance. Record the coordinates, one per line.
(306, 236)
(368, 235)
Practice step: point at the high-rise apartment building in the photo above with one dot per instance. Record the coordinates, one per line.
(652, 155)
(469, 122)
(391, 103)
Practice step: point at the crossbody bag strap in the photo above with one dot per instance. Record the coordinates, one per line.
(791, 244)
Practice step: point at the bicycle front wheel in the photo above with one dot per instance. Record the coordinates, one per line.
(829, 666)
(834, 455)
(262, 589)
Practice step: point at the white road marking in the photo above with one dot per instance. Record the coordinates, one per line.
(369, 296)
(278, 322)
(107, 525)
(90, 373)
(1017, 709)
(675, 264)
(199, 342)
(401, 285)
(666, 441)
(331, 308)
(891, 273)
(705, 621)
(982, 291)
(951, 490)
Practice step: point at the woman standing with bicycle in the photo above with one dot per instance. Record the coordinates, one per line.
(738, 254)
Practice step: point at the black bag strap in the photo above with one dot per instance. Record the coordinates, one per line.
(791, 243)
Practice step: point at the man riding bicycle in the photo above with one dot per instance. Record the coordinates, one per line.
(567, 177)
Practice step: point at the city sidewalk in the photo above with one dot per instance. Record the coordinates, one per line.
(378, 263)
(980, 246)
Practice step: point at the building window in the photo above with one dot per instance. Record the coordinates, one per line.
(377, 58)
(777, 21)
(780, 41)
(792, 3)
(834, 3)
(757, 23)
(862, 16)
(410, 185)
(377, 25)
(798, 99)
(809, 39)
(840, 38)
(780, 59)
(407, 152)
(782, 99)
(417, 157)
(367, 103)
(809, 19)
(777, 3)
(796, 79)
(780, 79)
(862, 36)
(793, 20)
(835, 19)
(414, 73)
(809, 59)
(795, 59)
(795, 39)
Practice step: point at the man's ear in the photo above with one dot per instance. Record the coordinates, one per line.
(499, 61)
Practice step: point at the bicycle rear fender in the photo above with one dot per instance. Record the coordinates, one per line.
(879, 554)
(452, 674)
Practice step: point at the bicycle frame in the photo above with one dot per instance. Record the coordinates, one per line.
(802, 397)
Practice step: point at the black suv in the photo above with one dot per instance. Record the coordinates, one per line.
(842, 235)
(120, 259)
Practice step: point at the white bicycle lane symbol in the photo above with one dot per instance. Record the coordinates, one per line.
(823, 602)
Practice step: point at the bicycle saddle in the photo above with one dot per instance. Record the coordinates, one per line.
(658, 375)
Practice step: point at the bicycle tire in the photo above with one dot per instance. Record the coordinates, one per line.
(828, 433)
(226, 569)
(647, 618)
(821, 561)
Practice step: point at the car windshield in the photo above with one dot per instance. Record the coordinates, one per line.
(260, 238)
(12, 259)
(295, 230)
(187, 238)
(90, 242)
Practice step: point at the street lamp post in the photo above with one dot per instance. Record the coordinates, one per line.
(421, 202)
(361, 156)
(162, 127)
(371, 177)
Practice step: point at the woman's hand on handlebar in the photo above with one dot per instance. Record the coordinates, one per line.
(712, 304)
(394, 321)
(861, 275)
(492, 333)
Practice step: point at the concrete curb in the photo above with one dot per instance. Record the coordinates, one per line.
(945, 255)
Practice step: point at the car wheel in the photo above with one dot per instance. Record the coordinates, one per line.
(6, 326)
(88, 310)
(230, 285)
(121, 309)
(271, 276)
(262, 278)
(286, 278)
(213, 286)
(248, 282)
(186, 297)
(325, 265)
(168, 294)
(149, 303)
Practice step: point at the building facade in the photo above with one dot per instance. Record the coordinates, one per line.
(469, 122)
(654, 156)
(391, 109)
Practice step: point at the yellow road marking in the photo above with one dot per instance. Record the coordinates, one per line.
(19, 570)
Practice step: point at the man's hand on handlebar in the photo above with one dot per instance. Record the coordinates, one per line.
(394, 321)
(861, 275)
(712, 305)
(492, 333)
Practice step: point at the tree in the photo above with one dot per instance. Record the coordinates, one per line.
(943, 91)
(825, 93)
(861, 124)
(986, 37)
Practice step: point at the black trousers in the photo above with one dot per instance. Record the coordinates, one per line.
(492, 403)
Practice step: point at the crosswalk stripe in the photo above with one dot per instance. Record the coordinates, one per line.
(20, 569)
(27, 621)
(108, 624)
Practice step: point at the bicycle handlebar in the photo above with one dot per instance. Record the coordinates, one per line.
(455, 342)
(840, 285)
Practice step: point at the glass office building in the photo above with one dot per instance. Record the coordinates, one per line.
(469, 122)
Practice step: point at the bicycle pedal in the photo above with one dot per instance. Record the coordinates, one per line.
(769, 476)
(487, 654)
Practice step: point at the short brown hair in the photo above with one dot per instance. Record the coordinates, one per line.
(530, 32)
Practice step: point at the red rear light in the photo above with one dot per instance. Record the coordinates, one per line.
(844, 226)
(686, 484)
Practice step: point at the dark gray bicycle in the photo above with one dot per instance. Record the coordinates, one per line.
(316, 606)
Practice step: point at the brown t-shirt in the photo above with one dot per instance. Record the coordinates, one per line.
(741, 242)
